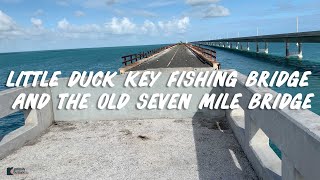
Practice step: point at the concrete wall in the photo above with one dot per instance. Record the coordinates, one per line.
(295, 132)
(36, 121)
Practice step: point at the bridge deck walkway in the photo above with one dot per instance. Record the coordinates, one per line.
(178, 56)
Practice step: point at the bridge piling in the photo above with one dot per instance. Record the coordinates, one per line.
(300, 50)
(298, 37)
(287, 49)
(266, 47)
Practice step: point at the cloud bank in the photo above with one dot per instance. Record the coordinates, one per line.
(207, 8)
(115, 26)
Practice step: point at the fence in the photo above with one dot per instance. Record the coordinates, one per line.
(136, 57)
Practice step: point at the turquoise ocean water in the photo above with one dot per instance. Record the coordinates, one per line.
(109, 59)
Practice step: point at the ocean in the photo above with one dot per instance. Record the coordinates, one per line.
(109, 59)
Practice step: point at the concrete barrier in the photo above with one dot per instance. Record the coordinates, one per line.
(36, 121)
(295, 132)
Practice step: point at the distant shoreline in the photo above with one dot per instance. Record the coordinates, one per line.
(27, 51)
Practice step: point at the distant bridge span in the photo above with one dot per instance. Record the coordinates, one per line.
(303, 37)
(299, 38)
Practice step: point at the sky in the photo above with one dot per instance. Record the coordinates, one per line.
(29, 25)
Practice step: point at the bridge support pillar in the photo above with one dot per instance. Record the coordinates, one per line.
(231, 45)
(300, 50)
(266, 48)
(241, 46)
(287, 49)
(248, 47)
(237, 47)
(257, 48)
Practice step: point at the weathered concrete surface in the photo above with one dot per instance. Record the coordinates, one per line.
(166, 149)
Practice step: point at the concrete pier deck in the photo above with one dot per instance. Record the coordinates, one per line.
(134, 149)
(178, 56)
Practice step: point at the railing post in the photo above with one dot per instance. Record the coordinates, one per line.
(125, 61)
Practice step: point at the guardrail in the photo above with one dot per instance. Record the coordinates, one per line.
(36, 121)
(296, 133)
(136, 57)
(208, 55)
(207, 52)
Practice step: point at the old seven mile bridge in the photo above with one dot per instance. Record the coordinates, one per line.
(167, 144)
(195, 54)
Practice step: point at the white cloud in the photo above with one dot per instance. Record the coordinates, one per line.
(111, 2)
(207, 8)
(215, 11)
(149, 28)
(63, 2)
(63, 24)
(183, 23)
(36, 22)
(66, 30)
(200, 2)
(121, 26)
(38, 12)
(176, 25)
(6, 22)
(161, 3)
(98, 3)
(79, 13)
(144, 13)
(8, 27)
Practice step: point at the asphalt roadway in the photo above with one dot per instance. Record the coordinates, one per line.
(178, 56)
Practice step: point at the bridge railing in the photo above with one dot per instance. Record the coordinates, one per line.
(36, 121)
(131, 58)
(207, 52)
(296, 134)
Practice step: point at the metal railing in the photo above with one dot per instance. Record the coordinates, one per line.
(129, 59)
(206, 52)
